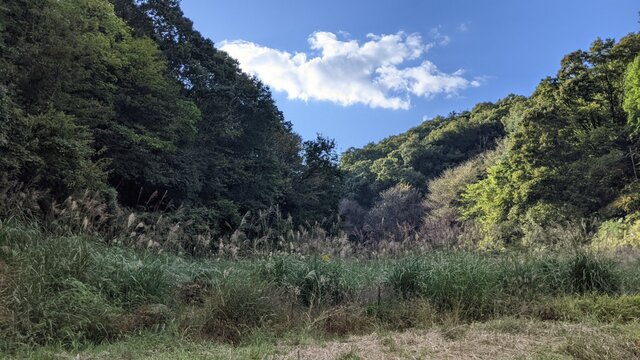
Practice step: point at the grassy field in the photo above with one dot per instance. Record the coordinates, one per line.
(504, 338)
(65, 296)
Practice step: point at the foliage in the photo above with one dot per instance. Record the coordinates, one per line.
(566, 149)
(478, 286)
(73, 291)
(127, 140)
(241, 132)
(317, 186)
(618, 234)
(442, 222)
(236, 309)
(465, 284)
(597, 307)
(93, 70)
(147, 106)
(423, 152)
(399, 207)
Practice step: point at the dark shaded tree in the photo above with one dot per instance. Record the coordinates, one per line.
(317, 186)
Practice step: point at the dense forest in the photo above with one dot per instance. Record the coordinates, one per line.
(155, 203)
(128, 100)
(129, 106)
(522, 171)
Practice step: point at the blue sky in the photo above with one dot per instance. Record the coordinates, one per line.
(359, 71)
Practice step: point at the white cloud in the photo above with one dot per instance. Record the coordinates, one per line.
(348, 72)
(439, 37)
(463, 27)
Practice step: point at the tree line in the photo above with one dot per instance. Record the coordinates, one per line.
(518, 170)
(126, 98)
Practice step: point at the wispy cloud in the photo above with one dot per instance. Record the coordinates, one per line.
(376, 72)
(438, 37)
(464, 27)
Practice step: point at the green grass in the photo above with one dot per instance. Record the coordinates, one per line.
(480, 286)
(71, 292)
(164, 346)
(597, 308)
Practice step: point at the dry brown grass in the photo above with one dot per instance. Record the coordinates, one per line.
(505, 338)
(425, 345)
(502, 339)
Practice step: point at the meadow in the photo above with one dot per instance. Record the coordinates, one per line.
(66, 295)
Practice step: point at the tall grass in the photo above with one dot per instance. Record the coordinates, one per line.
(236, 309)
(478, 286)
(72, 290)
(314, 281)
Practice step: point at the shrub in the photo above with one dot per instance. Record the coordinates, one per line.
(530, 277)
(57, 133)
(75, 312)
(70, 289)
(130, 280)
(443, 202)
(462, 282)
(618, 234)
(478, 286)
(406, 277)
(353, 217)
(399, 207)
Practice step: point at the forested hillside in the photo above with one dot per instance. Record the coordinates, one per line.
(129, 102)
(523, 170)
(127, 99)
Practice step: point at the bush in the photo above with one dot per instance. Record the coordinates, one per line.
(477, 286)
(578, 273)
(56, 133)
(49, 309)
(353, 217)
(443, 202)
(75, 313)
(463, 282)
(130, 280)
(618, 234)
(398, 208)
(406, 277)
